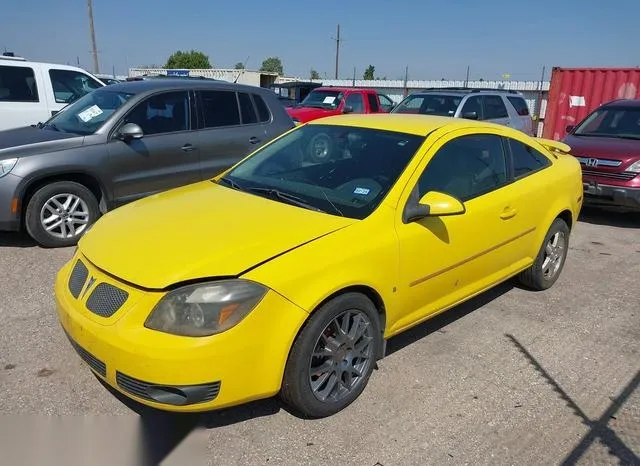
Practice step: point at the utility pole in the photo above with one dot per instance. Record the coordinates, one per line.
(337, 50)
(406, 80)
(92, 31)
(466, 82)
(354, 77)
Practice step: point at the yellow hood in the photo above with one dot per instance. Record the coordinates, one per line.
(198, 231)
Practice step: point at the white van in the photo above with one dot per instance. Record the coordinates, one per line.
(32, 92)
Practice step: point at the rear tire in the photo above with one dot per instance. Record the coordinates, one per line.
(58, 214)
(550, 259)
(333, 356)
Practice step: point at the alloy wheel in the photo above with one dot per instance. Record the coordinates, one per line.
(554, 254)
(64, 215)
(342, 355)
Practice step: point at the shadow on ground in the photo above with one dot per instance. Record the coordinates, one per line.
(163, 432)
(610, 217)
(15, 240)
(599, 429)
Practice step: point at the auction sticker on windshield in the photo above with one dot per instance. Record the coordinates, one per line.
(329, 100)
(90, 113)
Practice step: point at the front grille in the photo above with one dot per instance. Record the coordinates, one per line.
(93, 362)
(143, 389)
(106, 299)
(78, 278)
(623, 176)
(595, 162)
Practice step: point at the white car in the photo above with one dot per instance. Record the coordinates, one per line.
(32, 92)
(504, 107)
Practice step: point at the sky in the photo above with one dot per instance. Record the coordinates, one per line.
(434, 39)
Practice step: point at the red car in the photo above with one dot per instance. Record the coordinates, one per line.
(328, 101)
(607, 144)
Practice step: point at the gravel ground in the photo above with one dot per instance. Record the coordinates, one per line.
(513, 377)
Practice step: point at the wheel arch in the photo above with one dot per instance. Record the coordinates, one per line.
(368, 292)
(91, 182)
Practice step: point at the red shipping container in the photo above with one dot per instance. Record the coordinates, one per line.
(576, 92)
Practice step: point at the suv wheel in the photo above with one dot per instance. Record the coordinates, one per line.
(59, 213)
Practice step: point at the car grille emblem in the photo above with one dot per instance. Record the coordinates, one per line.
(591, 162)
(91, 281)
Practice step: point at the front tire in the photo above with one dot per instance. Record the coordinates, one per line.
(550, 259)
(58, 214)
(333, 357)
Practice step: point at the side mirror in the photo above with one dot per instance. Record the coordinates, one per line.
(433, 204)
(569, 128)
(129, 132)
(347, 109)
(470, 115)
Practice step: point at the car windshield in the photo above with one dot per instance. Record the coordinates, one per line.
(323, 99)
(613, 122)
(429, 104)
(340, 170)
(87, 114)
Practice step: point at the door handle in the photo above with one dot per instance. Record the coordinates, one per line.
(254, 140)
(508, 213)
(188, 148)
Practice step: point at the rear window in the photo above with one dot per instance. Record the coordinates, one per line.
(494, 107)
(246, 108)
(520, 105)
(220, 108)
(263, 111)
(18, 84)
(526, 159)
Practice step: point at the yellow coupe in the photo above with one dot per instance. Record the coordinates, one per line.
(288, 272)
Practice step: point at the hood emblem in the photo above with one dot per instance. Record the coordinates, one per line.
(591, 162)
(90, 283)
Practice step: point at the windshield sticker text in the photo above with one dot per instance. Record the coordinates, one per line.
(363, 191)
(90, 113)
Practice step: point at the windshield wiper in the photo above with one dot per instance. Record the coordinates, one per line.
(231, 183)
(289, 198)
(50, 125)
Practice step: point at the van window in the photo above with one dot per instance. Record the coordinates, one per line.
(71, 85)
(18, 84)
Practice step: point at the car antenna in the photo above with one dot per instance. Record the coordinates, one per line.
(244, 66)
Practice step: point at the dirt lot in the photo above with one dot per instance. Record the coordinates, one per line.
(513, 377)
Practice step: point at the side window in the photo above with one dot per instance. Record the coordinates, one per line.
(520, 105)
(264, 114)
(161, 113)
(249, 116)
(18, 84)
(471, 106)
(356, 102)
(220, 108)
(466, 167)
(494, 107)
(71, 85)
(526, 159)
(373, 103)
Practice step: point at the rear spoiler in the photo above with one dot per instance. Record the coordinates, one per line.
(554, 147)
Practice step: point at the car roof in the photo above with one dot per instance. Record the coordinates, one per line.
(464, 91)
(138, 87)
(632, 103)
(341, 89)
(418, 125)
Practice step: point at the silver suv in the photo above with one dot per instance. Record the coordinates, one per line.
(503, 107)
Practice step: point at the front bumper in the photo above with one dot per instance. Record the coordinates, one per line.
(173, 373)
(609, 195)
(9, 189)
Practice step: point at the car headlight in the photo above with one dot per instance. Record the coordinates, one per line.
(7, 165)
(634, 168)
(205, 309)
